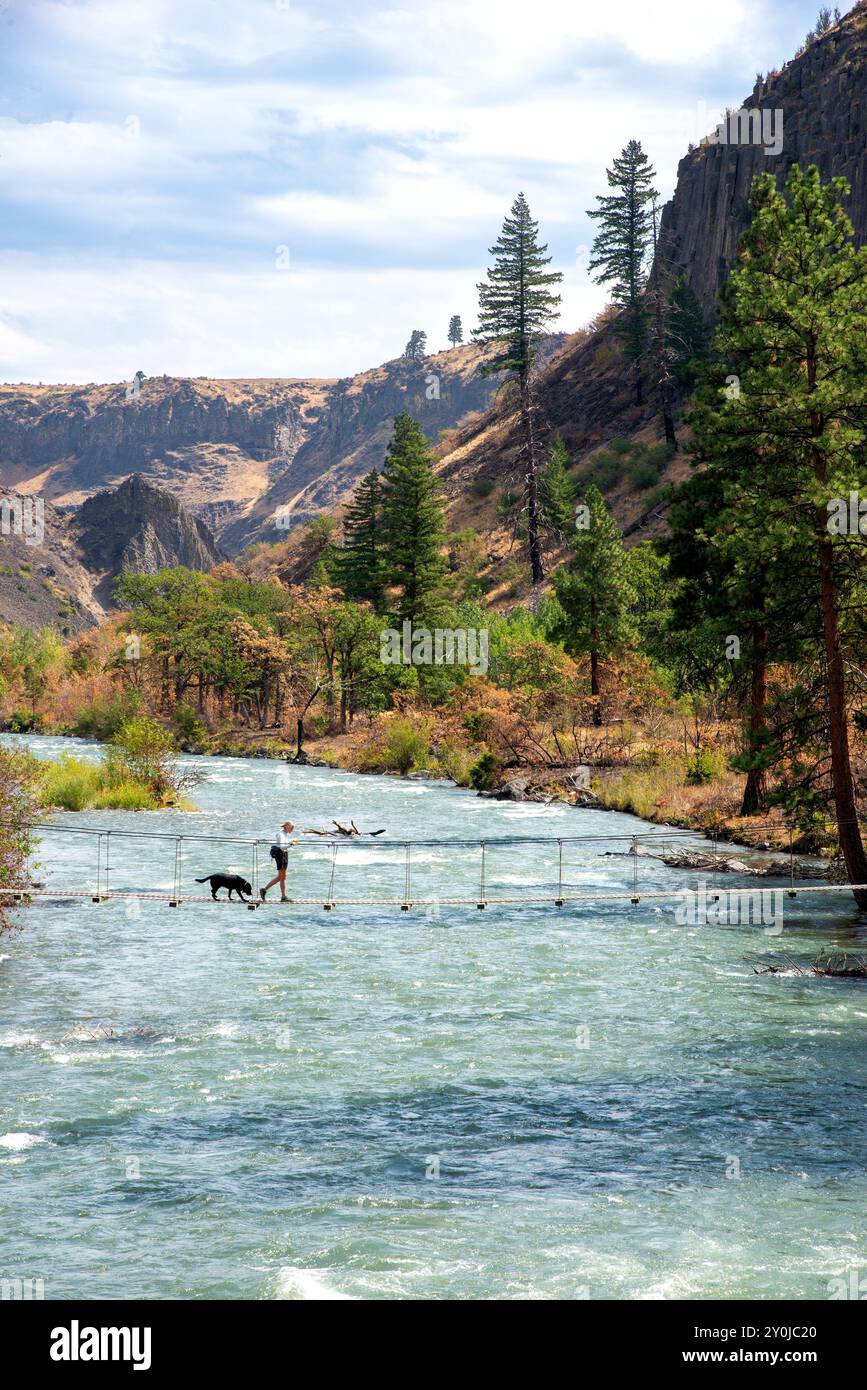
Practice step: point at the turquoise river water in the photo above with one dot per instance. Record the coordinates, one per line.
(526, 1102)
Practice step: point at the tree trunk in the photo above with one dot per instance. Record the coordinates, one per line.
(594, 686)
(532, 480)
(848, 828)
(756, 789)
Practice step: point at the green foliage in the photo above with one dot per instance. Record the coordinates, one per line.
(19, 774)
(482, 487)
(141, 753)
(24, 721)
(593, 589)
(417, 346)
(621, 245)
(557, 491)
(104, 717)
(413, 525)
(192, 730)
(705, 765)
(484, 774)
(360, 567)
(687, 333)
(406, 747)
(516, 303)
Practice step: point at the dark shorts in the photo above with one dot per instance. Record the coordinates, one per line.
(280, 857)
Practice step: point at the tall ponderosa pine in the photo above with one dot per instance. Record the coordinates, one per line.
(622, 243)
(456, 330)
(413, 525)
(360, 563)
(417, 345)
(794, 331)
(594, 591)
(515, 306)
(557, 491)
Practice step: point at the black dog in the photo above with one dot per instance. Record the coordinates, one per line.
(234, 882)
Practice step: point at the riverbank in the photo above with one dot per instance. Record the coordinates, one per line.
(657, 792)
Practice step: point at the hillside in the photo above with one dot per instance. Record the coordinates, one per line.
(584, 394)
(66, 579)
(240, 455)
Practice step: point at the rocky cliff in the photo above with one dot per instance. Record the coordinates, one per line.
(822, 98)
(242, 455)
(59, 567)
(585, 392)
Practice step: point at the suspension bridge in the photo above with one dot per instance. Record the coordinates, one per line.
(102, 848)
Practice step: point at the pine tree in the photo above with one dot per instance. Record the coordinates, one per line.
(686, 333)
(456, 330)
(359, 568)
(594, 591)
(557, 491)
(622, 243)
(417, 346)
(413, 523)
(794, 329)
(515, 307)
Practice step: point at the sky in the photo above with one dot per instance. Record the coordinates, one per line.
(287, 188)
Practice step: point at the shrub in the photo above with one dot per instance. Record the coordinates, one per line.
(407, 744)
(104, 718)
(707, 765)
(19, 775)
(70, 783)
(482, 487)
(190, 725)
(485, 773)
(455, 761)
(125, 796)
(643, 475)
(24, 721)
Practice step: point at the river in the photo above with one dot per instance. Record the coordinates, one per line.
(526, 1102)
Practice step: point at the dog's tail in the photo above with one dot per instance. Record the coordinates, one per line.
(203, 880)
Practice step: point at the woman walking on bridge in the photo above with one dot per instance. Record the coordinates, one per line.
(280, 855)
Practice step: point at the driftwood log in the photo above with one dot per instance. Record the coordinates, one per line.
(725, 864)
(840, 964)
(350, 830)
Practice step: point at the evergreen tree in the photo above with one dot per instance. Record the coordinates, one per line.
(359, 568)
(516, 305)
(686, 332)
(622, 243)
(417, 346)
(794, 432)
(413, 524)
(456, 330)
(594, 591)
(557, 491)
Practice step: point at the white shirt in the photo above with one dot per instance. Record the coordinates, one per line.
(284, 840)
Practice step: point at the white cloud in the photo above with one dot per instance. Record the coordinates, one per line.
(154, 155)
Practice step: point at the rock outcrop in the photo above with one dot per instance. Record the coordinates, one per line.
(62, 573)
(822, 95)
